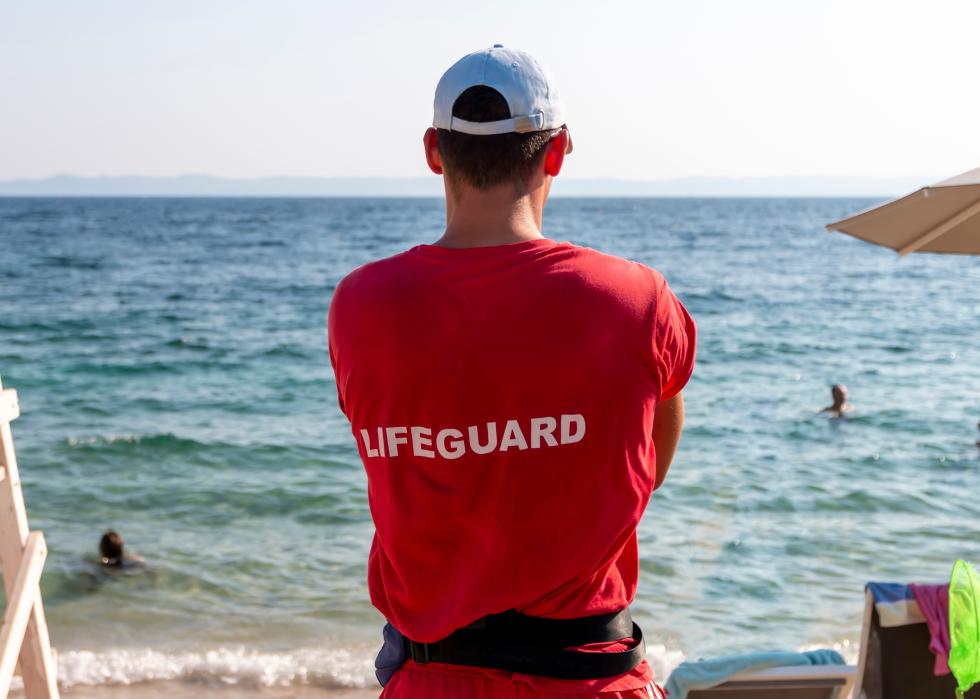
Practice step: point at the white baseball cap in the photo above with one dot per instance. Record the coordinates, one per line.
(531, 96)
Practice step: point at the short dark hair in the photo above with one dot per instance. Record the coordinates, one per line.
(111, 546)
(487, 161)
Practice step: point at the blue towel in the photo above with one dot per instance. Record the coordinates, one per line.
(705, 674)
(895, 604)
(889, 592)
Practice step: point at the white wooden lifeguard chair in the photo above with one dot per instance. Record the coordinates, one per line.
(22, 552)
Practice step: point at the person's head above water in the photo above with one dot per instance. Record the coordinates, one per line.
(498, 137)
(840, 405)
(111, 548)
(839, 393)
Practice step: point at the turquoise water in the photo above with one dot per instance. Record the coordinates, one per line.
(171, 361)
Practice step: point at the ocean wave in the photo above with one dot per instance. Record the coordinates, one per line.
(336, 668)
(145, 368)
(165, 441)
(72, 262)
(215, 452)
(332, 669)
(187, 343)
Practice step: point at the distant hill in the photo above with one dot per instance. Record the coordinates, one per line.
(208, 186)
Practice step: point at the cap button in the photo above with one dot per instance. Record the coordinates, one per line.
(498, 46)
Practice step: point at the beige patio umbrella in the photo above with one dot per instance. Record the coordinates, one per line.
(942, 218)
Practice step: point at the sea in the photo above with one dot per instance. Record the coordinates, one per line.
(171, 361)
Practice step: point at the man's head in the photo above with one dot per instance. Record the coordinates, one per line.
(497, 122)
(839, 393)
(111, 548)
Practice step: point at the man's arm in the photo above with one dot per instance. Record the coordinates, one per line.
(668, 421)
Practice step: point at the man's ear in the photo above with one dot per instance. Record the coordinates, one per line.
(432, 157)
(557, 148)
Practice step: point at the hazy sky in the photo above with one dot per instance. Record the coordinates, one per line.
(652, 89)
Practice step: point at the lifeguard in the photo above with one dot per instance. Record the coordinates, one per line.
(515, 401)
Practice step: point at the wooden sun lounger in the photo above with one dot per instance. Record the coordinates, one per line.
(896, 662)
(794, 682)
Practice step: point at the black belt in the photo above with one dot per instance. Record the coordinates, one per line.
(535, 646)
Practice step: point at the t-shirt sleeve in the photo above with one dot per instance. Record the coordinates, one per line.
(674, 341)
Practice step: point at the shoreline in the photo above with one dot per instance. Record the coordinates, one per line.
(181, 690)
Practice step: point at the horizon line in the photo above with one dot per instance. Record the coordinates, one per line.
(203, 185)
(240, 178)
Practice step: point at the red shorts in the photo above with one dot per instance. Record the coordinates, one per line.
(440, 681)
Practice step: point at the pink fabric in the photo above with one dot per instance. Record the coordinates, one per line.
(933, 600)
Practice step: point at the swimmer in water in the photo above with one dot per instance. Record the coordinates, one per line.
(978, 441)
(112, 551)
(840, 407)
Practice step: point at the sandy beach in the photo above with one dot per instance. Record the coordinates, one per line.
(177, 690)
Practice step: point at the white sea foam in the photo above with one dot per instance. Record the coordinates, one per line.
(848, 649)
(336, 667)
(663, 660)
(332, 668)
(104, 439)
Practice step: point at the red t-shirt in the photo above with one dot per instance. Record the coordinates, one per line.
(502, 400)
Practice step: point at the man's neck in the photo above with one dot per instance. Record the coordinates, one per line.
(498, 216)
